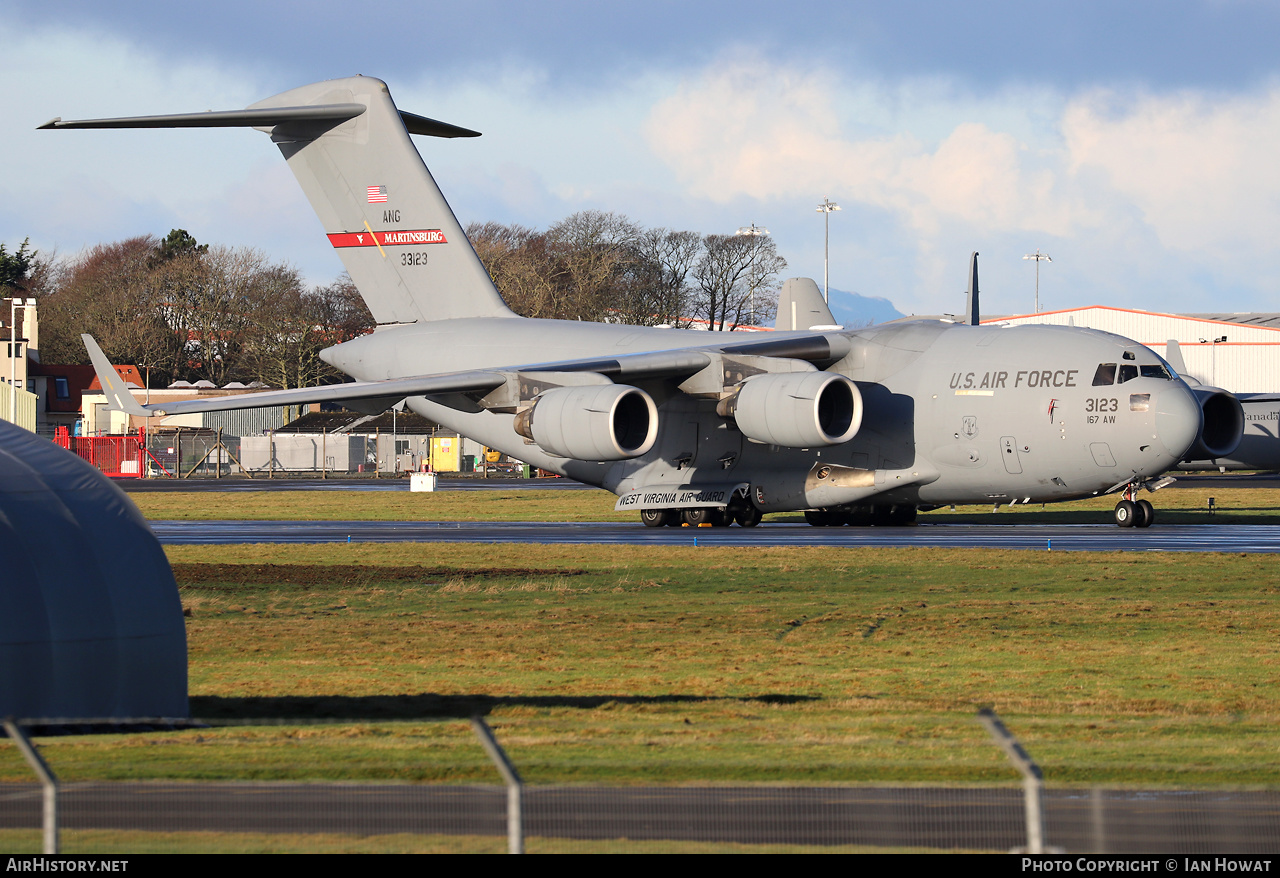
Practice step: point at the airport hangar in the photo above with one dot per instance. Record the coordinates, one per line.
(1237, 352)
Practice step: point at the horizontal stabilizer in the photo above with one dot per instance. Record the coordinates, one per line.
(264, 117)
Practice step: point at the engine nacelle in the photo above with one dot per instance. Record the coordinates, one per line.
(798, 409)
(592, 422)
(1222, 426)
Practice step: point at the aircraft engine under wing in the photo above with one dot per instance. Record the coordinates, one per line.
(798, 409)
(595, 422)
(1222, 427)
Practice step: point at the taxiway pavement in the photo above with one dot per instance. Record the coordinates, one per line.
(1057, 538)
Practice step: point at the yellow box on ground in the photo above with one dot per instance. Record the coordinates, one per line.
(446, 454)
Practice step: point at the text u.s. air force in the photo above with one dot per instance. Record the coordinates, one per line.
(1026, 378)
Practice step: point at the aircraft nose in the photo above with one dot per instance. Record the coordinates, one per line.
(1178, 419)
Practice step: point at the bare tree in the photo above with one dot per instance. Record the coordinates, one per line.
(735, 273)
(110, 292)
(663, 260)
(521, 265)
(291, 327)
(595, 251)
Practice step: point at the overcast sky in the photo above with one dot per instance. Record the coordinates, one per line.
(1135, 143)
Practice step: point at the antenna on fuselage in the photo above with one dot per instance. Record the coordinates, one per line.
(971, 309)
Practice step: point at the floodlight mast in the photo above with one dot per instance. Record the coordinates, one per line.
(1038, 257)
(825, 209)
(752, 231)
(1213, 376)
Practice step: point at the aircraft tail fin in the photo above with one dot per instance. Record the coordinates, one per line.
(1173, 356)
(801, 306)
(348, 146)
(114, 387)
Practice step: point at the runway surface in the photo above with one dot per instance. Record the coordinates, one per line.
(1058, 538)
(1112, 821)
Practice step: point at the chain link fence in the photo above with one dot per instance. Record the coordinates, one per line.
(105, 817)
(623, 819)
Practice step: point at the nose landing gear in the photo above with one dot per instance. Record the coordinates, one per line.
(1134, 513)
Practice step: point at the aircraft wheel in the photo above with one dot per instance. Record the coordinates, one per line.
(858, 516)
(1146, 514)
(721, 518)
(881, 515)
(656, 517)
(748, 516)
(900, 516)
(698, 515)
(819, 518)
(1126, 513)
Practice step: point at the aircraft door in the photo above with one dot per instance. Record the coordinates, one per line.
(1009, 454)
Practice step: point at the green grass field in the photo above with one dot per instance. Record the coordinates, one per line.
(629, 665)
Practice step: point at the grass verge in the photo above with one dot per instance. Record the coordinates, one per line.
(626, 665)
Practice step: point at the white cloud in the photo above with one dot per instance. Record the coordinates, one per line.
(753, 129)
(1201, 168)
(1188, 180)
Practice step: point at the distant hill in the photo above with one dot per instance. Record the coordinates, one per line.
(854, 310)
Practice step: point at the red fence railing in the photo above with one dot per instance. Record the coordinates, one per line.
(120, 456)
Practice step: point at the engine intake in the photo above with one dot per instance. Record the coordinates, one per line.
(595, 422)
(798, 409)
(1223, 425)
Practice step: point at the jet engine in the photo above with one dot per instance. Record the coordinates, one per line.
(798, 409)
(592, 422)
(1222, 427)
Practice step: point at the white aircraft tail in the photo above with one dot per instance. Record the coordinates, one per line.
(349, 147)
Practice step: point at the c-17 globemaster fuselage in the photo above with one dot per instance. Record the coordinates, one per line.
(860, 426)
(950, 413)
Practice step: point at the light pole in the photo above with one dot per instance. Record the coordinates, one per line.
(1038, 257)
(825, 209)
(1213, 376)
(752, 231)
(15, 305)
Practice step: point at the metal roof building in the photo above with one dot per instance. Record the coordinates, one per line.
(1247, 361)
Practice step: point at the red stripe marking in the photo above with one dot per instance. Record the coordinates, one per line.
(388, 239)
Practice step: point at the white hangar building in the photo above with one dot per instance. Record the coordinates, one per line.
(1237, 352)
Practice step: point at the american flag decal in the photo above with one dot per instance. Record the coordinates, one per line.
(377, 194)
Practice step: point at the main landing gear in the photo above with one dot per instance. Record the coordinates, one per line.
(860, 516)
(743, 514)
(1134, 513)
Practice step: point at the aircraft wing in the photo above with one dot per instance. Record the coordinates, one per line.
(679, 362)
(120, 399)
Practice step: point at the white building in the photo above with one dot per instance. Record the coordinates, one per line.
(1237, 352)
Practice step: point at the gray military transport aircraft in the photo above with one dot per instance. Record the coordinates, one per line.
(1259, 445)
(859, 426)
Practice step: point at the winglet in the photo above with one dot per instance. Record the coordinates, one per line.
(972, 316)
(801, 306)
(113, 386)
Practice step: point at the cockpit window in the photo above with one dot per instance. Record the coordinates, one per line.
(1127, 373)
(1156, 371)
(1105, 375)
